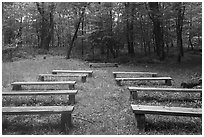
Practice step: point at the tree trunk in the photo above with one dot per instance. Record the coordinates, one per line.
(129, 27)
(155, 16)
(179, 26)
(75, 34)
(47, 24)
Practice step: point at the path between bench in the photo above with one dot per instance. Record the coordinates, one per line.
(104, 103)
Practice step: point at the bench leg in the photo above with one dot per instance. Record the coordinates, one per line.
(114, 75)
(154, 75)
(89, 74)
(66, 122)
(140, 119)
(83, 79)
(201, 95)
(118, 82)
(72, 99)
(71, 86)
(54, 72)
(134, 95)
(41, 78)
(168, 82)
(17, 87)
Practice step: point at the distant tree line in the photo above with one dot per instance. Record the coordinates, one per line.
(105, 28)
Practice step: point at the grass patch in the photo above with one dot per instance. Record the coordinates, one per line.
(102, 107)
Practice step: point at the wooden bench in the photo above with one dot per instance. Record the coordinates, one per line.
(103, 65)
(137, 73)
(71, 93)
(166, 79)
(65, 111)
(140, 111)
(134, 90)
(17, 85)
(89, 72)
(83, 76)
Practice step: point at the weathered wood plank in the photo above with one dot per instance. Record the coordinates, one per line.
(65, 111)
(167, 79)
(103, 64)
(27, 93)
(140, 111)
(164, 110)
(71, 93)
(17, 85)
(134, 90)
(89, 72)
(44, 83)
(164, 89)
(36, 110)
(137, 73)
(83, 76)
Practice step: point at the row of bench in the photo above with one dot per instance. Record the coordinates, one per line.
(65, 111)
(141, 110)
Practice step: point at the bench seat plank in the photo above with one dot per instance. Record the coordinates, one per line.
(143, 78)
(65, 111)
(164, 89)
(140, 111)
(138, 73)
(44, 83)
(27, 93)
(36, 110)
(71, 93)
(103, 64)
(134, 90)
(164, 110)
(167, 79)
(89, 72)
(17, 85)
(63, 75)
(42, 76)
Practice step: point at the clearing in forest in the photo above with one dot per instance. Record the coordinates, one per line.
(102, 107)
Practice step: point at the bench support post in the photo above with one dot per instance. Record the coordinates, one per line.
(154, 75)
(83, 79)
(72, 99)
(140, 120)
(89, 74)
(17, 87)
(66, 122)
(71, 86)
(168, 82)
(114, 75)
(134, 95)
(118, 82)
(54, 72)
(41, 78)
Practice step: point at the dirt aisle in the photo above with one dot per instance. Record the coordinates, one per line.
(104, 105)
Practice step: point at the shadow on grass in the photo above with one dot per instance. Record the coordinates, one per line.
(172, 127)
(158, 99)
(25, 129)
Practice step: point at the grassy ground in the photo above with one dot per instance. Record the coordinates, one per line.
(102, 107)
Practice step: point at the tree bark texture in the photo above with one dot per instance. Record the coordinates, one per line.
(75, 34)
(155, 16)
(47, 24)
(179, 26)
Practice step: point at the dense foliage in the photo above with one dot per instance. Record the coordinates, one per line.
(105, 29)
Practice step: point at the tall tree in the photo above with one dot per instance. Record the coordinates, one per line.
(75, 34)
(46, 11)
(180, 8)
(129, 8)
(156, 17)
